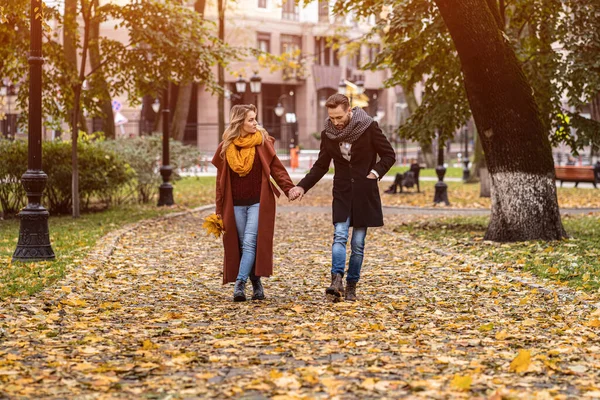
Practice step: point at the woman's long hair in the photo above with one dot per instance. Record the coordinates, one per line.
(237, 116)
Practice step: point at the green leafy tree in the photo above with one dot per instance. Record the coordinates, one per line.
(555, 41)
(168, 42)
(464, 54)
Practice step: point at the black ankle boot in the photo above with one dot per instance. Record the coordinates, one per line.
(239, 291)
(258, 292)
(337, 286)
(350, 291)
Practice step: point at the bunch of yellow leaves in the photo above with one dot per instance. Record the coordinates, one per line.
(213, 224)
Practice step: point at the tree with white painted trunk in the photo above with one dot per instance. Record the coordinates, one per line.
(516, 146)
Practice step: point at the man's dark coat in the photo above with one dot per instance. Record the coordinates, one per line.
(354, 194)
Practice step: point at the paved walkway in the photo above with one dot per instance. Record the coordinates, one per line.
(146, 316)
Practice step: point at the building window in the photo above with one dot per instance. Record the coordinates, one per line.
(325, 54)
(291, 44)
(357, 61)
(354, 60)
(323, 10)
(319, 51)
(290, 10)
(262, 3)
(264, 42)
(373, 50)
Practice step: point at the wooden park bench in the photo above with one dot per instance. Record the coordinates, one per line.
(574, 173)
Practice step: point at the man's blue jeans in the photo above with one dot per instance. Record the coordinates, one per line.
(338, 251)
(246, 222)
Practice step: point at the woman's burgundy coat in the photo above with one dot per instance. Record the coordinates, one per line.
(271, 166)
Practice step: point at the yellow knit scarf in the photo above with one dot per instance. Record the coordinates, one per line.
(241, 160)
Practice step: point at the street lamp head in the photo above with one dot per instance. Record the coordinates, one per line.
(342, 87)
(156, 106)
(255, 83)
(240, 85)
(279, 110)
(360, 87)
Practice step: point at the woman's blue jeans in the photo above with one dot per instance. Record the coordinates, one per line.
(338, 251)
(246, 222)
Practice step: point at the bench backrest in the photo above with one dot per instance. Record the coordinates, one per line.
(574, 172)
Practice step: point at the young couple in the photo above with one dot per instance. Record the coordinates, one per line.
(245, 195)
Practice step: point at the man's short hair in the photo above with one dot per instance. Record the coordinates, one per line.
(338, 100)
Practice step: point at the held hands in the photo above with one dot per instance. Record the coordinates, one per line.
(295, 193)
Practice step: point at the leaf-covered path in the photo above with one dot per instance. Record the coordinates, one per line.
(154, 321)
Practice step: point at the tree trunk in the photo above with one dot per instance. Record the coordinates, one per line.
(478, 160)
(77, 109)
(516, 146)
(108, 125)
(184, 95)
(70, 49)
(221, 73)
(595, 108)
(426, 150)
(182, 108)
(484, 183)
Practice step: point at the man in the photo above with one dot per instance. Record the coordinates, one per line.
(353, 140)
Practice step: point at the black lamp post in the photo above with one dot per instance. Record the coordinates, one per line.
(466, 172)
(441, 188)
(255, 87)
(165, 197)
(34, 237)
(342, 89)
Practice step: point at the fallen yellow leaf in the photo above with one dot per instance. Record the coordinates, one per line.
(521, 362)
(461, 382)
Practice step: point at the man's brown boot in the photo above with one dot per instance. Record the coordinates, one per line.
(337, 286)
(350, 291)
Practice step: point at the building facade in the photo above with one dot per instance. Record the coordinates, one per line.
(279, 28)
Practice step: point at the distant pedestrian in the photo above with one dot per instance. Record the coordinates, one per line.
(354, 141)
(245, 199)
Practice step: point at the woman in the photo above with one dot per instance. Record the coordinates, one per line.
(245, 200)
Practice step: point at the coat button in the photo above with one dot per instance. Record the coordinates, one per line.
(352, 180)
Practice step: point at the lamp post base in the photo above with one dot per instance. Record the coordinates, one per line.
(34, 237)
(441, 188)
(165, 191)
(165, 195)
(466, 171)
(441, 193)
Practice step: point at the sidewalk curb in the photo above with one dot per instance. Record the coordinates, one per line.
(582, 210)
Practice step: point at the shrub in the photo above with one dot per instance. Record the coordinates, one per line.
(144, 155)
(102, 173)
(14, 164)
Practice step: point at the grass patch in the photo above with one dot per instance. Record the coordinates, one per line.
(72, 239)
(574, 261)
